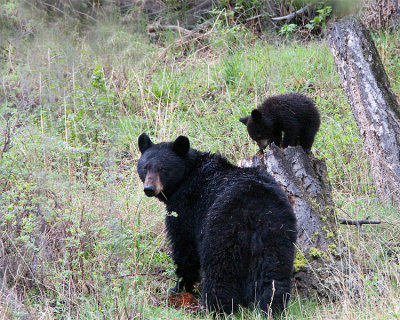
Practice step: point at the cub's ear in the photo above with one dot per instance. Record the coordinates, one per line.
(144, 142)
(244, 120)
(256, 115)
(181, 145)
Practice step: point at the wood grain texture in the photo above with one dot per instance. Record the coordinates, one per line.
(373, 104)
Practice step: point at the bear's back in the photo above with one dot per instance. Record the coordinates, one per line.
(221, 184)
(292, 104)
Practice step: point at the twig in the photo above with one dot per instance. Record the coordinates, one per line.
(64, 13)
(159, 11)
(257, 16)
(8, 134)
(82, 13)
(293, 14)
(201, 6)
(237, 19)
(144, 274)
(270, 9)
(85, 14)
(51, 6)
(154, 28)
(265, 14)
(182, 40)
(128, 5)
(359, 223)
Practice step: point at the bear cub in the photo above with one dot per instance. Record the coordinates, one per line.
(294, 114)
(232, 228)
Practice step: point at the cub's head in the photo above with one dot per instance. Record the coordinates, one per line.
(161, 166)
(259, 128)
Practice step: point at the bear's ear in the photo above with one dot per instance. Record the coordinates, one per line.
(244, 120)
(144, 142)
(181, 145)
(256, 115)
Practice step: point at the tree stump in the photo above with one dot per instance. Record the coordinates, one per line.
(318, 266)
(372, 103)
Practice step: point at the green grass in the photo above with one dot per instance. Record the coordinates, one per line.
(81, 239)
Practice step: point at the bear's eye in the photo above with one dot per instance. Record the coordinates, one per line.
(161, 169)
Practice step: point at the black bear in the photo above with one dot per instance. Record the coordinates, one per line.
(232, 228)
(294, 114)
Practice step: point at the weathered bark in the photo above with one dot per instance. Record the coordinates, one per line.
(379, 14)
(372, 102)
(304, 179)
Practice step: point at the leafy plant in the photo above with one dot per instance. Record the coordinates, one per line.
(319, 20)
(317, 23)
(288, 29)
(234, 11)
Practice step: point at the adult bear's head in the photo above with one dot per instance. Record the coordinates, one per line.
(162, 166)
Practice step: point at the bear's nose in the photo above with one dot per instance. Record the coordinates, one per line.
(149, 191)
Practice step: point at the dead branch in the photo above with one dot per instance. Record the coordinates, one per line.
(45, 4)
(244, 12)
(159, 11)
(358, 222)
(82, 13)
(207, 4)
(264, 15)
(155, 27)
(180, 41)
(293, 14)
(287, 17)
(8, 133)
(257, 16)
(153, 274)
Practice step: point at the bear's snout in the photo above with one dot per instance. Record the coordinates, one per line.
(152, 184)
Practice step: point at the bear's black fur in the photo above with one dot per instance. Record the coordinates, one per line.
(294, 114)
(234, 229)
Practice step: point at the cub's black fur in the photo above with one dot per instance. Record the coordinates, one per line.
(234, 228)
(294, 114)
